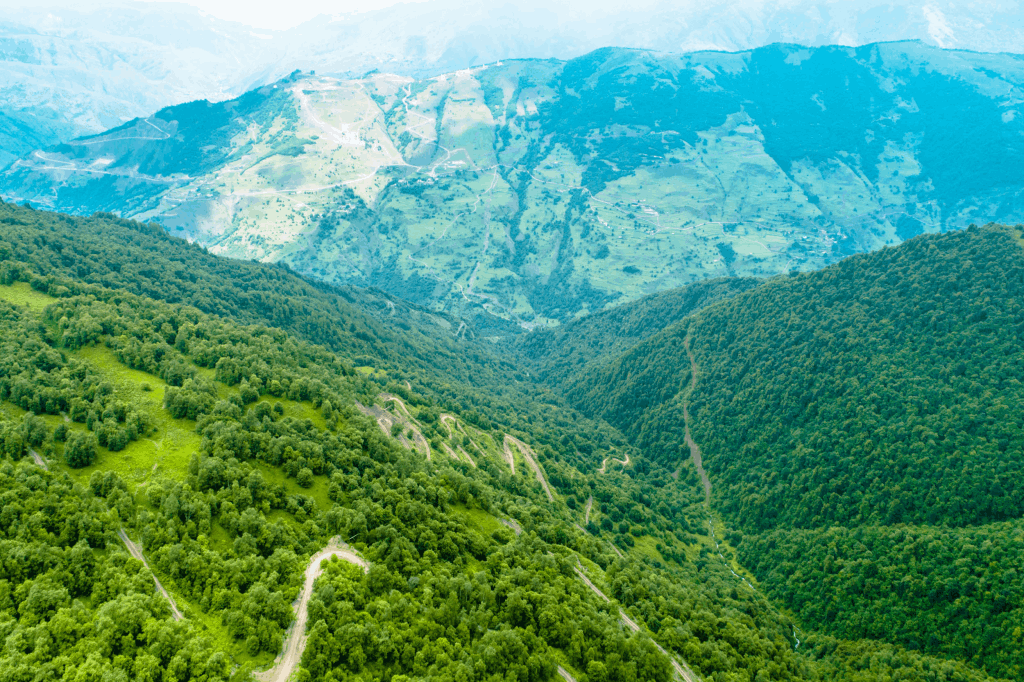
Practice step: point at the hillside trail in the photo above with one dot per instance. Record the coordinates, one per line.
(529, 456)
(136, 552)
(682, 669)
(38, 459)
(604, 464)
(586, 513)
(295, 641)
(688, 439)
(385, 420)
(695, 454)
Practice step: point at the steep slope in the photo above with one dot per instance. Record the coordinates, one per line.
(534, 192)
(69, 71)
(833, 408)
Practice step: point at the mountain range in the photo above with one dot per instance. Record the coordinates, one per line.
(69, 72)
(528, 193)
(662, 342)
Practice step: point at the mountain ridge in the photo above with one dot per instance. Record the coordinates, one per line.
(534, 192)
(173, 53)
(843, 424)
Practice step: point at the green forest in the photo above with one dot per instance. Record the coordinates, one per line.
(226, 421)
(862, 430)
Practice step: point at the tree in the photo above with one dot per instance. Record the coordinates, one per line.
(80, 450)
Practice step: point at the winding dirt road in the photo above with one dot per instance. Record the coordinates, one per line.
(136, 552)
(295, 641)
(385, 420)
(604, 464)
(454, 427)
(528, 455)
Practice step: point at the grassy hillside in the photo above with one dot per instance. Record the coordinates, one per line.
(848, 419)
(535, 192)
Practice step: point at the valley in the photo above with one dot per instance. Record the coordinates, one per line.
(232, 457)
(440, 341)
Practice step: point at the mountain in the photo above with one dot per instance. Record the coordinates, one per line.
(859, 428)
(68, 71)
(182, 486)
(533, 192)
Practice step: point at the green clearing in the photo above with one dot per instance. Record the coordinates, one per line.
(478, 519)
(318, 491)
(166, 450)
(20, 293)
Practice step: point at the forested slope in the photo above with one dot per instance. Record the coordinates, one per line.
(230, 451)
(397, 341)
(280, 460)
(558, 354)
(833, 408)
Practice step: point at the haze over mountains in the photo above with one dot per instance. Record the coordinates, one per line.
(66, 73)
(535, 191)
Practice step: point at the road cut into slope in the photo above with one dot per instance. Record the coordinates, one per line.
(452, 424)
(530, 458)
(295, 640)
(698, 461)
(386, 420)
(681, 668)
(604, 464)
(136, 552)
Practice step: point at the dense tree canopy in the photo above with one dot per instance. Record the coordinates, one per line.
(883, 390)
(272, 455)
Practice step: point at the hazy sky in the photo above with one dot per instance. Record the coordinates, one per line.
(273, 14)
(282, 14)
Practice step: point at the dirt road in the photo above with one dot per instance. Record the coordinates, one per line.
(528, 455)
(565, 674)
(385, 420)
(295, 640)
(514, 525)
(38, 459)
(136, 552)
(694, 450)
(604, 464)
(681, 668)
